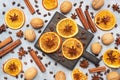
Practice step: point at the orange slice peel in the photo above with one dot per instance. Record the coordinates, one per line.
(50, 4)
(50, 42)
(72, 48)
(105, 20)
(14, 18)
(111, 58)
(12, 66)
(67, 28)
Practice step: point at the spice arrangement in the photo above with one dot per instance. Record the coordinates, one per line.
(37, 35)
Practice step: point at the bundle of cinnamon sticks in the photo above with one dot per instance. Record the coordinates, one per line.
(87, 22)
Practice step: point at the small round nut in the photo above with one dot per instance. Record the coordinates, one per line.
(30, 35)
(107, 38)
(37, 23)
(66, 7)
(97, 4)
(113, 76)
(60, 75)
(96, 48)
(30, 73)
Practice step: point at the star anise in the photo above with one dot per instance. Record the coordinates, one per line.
(14, 17)
(72, 51)
(19, 34)
(22, 52)
(49, 42)
(73, 16)
(115, 7)
(67, 28)
(84, 63)
(77, 76)
(96, 77)
(2, 28)
(117, 41)
(111, 57)
(105, 19)
(12, 67)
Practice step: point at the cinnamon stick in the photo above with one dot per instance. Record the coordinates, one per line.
(30, 7)
(97, 69)
(82, 18)
(5, 42)
(10, 47)
(37, 60)
(90, 22)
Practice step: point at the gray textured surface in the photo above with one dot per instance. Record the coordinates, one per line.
(46, 59)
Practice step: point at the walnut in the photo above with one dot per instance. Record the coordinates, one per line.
(30, 35)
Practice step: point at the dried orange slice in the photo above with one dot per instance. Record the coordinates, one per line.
(72, 48)
(67, 28)
(50, 42)
(105, 20)
(12, 66)
(78, 75)
(111, 58)
(50, 4)
(14, 18)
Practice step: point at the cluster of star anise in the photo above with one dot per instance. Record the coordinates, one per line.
(19, 34)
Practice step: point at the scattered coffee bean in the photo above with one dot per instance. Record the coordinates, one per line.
(49, 63)
(16, 77)
(31, 60)
(39, 31)
(98, 37)
(21, 76)
(74, 4)
(36, 6)
(49, 14)
(13, 3)
(116, 25)
(22, 7)
(18, 4)
(36, 1)
(116, 47)
(10, 32)
(3, 12)
(45, 15)
(55, 63)
(43, 54)
(4, 5)
(5, 78)
(46, 65)
(46, 21)
(108, 6)
(27, 25)
(40, 57)
(51, 72)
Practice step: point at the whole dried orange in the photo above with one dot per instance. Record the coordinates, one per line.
(50, 4)
(14, 18)
(67, 28)
(72, 48)
(50, 42)
(78, 75)
(111, 58)
(12, 66)
(105, 20)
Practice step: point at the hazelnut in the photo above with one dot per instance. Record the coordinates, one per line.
(96, 48)
(113, 76)
(65, 7)
(30, 35)
(60, 75)
(30, 73)
(37, 23)
(107, 38)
